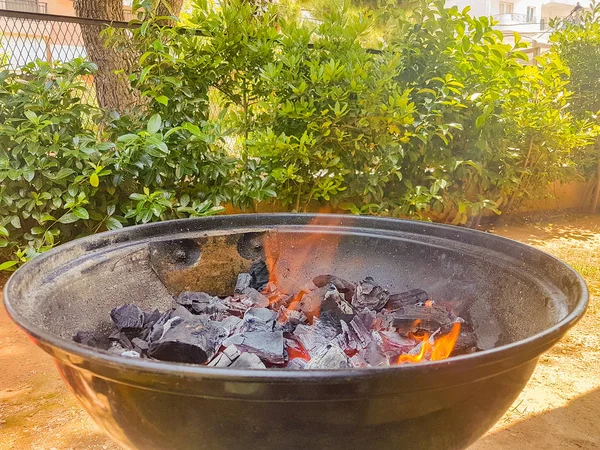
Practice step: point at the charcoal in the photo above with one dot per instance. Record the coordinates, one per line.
(88, 338)
(243, 282)
(140, 344)
(128, 318)
(361, 334)
(330, 356)
(372, 355)
(182, 313)
(358, 361)
(297, 364)
(116, 349)
(368, 317)
(255, 297)
(334, 305)
(370, 295)
(157, 329)
(268, 345)
(226, 358)
(310, 302)
(394, 343)
(232, 325)
(259, 319)
(151, 317)
(407, 298)
(316, 336)
(343, 286)
(121, 338)
(131, 354)
(194, 342)
(429, 318)
(260, 275)
(248, 361)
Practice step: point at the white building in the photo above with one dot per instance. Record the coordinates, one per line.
(530, 18)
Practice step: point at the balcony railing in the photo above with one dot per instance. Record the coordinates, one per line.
(515, 18)
(32, 6)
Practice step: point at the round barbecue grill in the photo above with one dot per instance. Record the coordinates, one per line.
(520, 301)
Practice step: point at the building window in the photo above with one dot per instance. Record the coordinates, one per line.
(506, 8)
(531, 14)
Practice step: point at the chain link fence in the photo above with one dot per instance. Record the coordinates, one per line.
(30, 35)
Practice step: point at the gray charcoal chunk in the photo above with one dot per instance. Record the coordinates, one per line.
(411, 297)
(128, 318)
(183, 313)
(297, 364)
(370, 295)
(140, 343)
(194, 342)
(131, 354)
(330, 356)
(243, 282)
(361, 334)
(226, 358)
(343, 286)
(232, 324)
(255, 297)
(157, 329)
(248, 361)
(259, 319)
(268, 345)
(314, 337)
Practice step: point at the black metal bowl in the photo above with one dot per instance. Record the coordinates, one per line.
(521, 301)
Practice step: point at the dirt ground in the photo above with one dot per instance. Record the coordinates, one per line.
(559, 408)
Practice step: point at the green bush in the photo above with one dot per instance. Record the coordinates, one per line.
(248, 104)
(62, 176)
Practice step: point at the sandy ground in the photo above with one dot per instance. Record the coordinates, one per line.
(559, 409)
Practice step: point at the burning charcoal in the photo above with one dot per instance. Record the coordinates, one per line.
(192, 342)
(358, 361)
(260, 275)
(268, 345)
(256, 298)
(372, 355)
(392, 342)
(87, 338)
(426, 318)
(346, 339)
(407, 298)
(370, 295)
(128, 318)
(259, 319)
(368, 317)
(248, 361)
(361, 333)
(314, 337)
(343, 286)
(297, 364)
(330, 356)
(243, 281)
(335, 305)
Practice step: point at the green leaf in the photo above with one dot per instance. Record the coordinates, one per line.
(3, 231)
(154, 124)
(113, 224)
(37, 230)
(31, 116)
(15, 222)
(8, 264)
(94, 180)
(81, 213)
(68, 218)
(162, 99)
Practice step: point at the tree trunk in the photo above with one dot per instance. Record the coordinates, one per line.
(113, 90)
(169, 7)
(596, 197)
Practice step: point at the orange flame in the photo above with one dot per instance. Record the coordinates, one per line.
(287, 267)
(441, 348)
